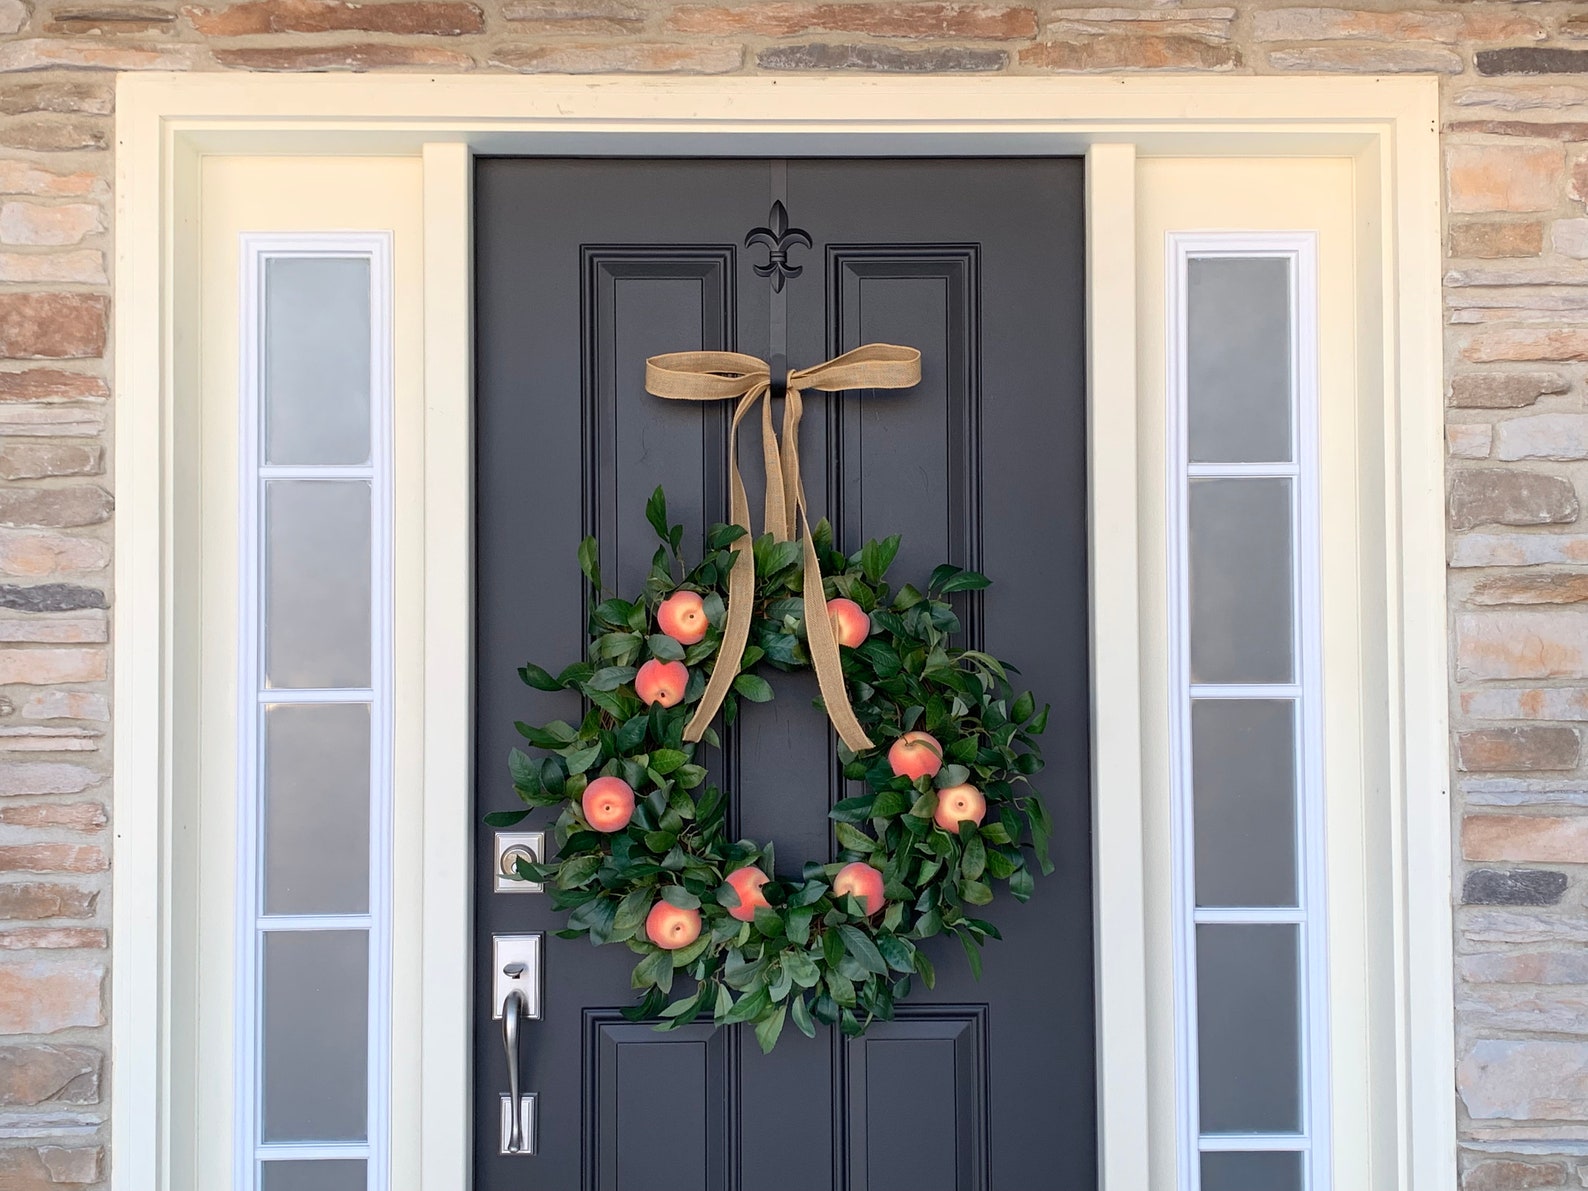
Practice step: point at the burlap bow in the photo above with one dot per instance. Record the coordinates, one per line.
(725, 376)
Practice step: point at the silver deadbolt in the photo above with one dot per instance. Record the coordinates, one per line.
(511, 847)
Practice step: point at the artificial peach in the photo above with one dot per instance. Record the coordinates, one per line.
(851, 625)
(958, 803)
(608, 803)
(860, 880)
(671, 927)
(746, 883)
(916, 754)
(661, 682)
(682, 617)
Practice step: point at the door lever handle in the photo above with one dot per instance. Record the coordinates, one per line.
(513, 1008)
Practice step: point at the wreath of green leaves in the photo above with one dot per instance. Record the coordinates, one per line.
(810, 955)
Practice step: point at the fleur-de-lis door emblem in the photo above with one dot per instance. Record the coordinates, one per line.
(779, 238)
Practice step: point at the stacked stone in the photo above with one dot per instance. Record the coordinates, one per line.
(1515, 112)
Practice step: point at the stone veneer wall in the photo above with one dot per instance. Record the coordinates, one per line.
(1515, 112)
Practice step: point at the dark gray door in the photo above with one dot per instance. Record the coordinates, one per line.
(585, 268)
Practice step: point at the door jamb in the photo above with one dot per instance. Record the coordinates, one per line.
(166, 122)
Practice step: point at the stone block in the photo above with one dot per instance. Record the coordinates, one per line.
(86, 266)
(46, 667)
(635, 58)
(1526, 344)
(1485, 178)
(1531, 60)
(54, 938)
(52, 326)
(1517, 550)
(38, 1073)
(49, 421)
(1386, 59)
(1333, 24)
(1550, 839)
(1509, 1174)
(973, 22)
(1513, 887)
(35, 900)
(1204, 24)
(32, 554)
(36, 461)
(53, 630)
(606, 17)
(87, 817)
(1503, 390)
(41, 53)
(1551, 587)
(50, 384)
(44, 777)
(1506, 496)
(1522, 644)
(50, 597)
(17, 99)
(52, 858)
(1469, 440)
(44, 225)
(42, 997)
(401, 18)
(1517, 750)
(354, 58)
(1543, 436)
(67, 508)
(1133, 51)
(54, 134)
(1503, 1079)
(112, 20)
(1491, 239)
(870, 56)
(1526, 703)
(1513, 966)
(55, 703)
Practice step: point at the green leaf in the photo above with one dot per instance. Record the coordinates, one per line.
(951, 775)
(631, 735)
(589, 553)
(802, 969)
(609, 678)
(768, 1029)
(852, 810)
(976, 893)
(748, 1007)
(656, 512)
(923, 965)
(657, 969)
(972, 952)
(900, 953)
(863, 949)
(577, 870)
(1024, 706)
(632, 911)
(1041, 831)
(678, 896)
(877, 557)
(1022, 884)
(534, 676)
(853, 839)
(664, 647)
(596, 917)
(665, 761)
(964, 581)
(753, 687)
(504, 818)
(801, 1014)
(581, 759)
(974, 862)
(1037, 726)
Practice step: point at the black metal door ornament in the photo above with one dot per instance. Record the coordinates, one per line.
(779, 239)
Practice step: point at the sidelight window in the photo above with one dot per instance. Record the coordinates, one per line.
(314, 782)
(1245, 734)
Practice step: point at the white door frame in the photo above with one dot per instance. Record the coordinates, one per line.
(165, 123)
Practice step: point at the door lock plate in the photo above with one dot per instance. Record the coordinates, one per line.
(510, 845)
(526, 1122)
(511, 951)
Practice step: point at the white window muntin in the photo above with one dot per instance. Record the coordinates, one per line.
(1304, 692)
(258, 696)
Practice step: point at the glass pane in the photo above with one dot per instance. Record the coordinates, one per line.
(317, 583)
(317, 809)
(316, 1035)
(337, 1174)
(316, 360)
(1252, 1172)
(1243, 756)
(1249, 1028)
(1240, 553)
(1238, 384)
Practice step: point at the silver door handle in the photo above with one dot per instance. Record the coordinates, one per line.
(513, 1009)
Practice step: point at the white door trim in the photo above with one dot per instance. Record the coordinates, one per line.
(166, 122)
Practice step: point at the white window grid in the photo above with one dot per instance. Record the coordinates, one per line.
(1300, 250)
(251, 1152)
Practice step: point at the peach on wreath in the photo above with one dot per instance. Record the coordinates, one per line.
(608, 804)
(916, 754)
(956, 804)
(859, 879)
(682, 617)
(851, 625)
(661, 682)
(746, 883)
(671, 927)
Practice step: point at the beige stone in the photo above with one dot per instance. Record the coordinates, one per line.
(55, 134)
(1518, 750)
(355, 58)
(1503, 390)
(1495, 1008)
(1469, 440)
(39, 53)
(74, 1165)
(1517, 550)
(1524, 1080)
(13, 16)
(1135, 51)
(21, 98)
(21, 900)
(636, 58)
(1490, 239)
(1207, 24)
(976, 22)
(1328, 24)
(1543, 839)
(54, 938)
(404, 18)
(48, 225)
(53, 858)
(48, 740)
(1577, 185)
(82, 504)
(33, 554)
(87, 627)
(1521, 644)
(583, 17)
(58, 704)
(1512, 1175)
(1564, 343)
(1503, 496)
(1526, 703)
(1551, 587)
(86, 266)
(1569, 237)
(1543, 436)
(33, 461)
(1521, 97)
(25, 421)
(42, 998)
(1492, 177)
(1369, 60)
(51, 384)
(38, 1073)
(113, 20)
(21, 177)
(1513, 966)
(70, 816)
(44, 777)
(41, 667)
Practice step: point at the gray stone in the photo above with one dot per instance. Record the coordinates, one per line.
(86, 504)
(866, 56)
(1517, 966)
(1513, 887)
(1504, 390)
(1531, 60)
(1558, 1009)
(39, 1073)
(1501, 1079)
(1490, 926)
(49, 597)
(1543, 436)
(1497, 496)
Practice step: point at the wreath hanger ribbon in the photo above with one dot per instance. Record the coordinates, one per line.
(729, 376)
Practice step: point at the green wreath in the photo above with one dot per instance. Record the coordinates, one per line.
(642, 854)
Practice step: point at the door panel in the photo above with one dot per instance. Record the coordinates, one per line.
(585, 268)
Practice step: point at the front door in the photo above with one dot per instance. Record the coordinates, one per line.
(584, 269)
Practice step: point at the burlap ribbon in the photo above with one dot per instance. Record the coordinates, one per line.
(727, 376)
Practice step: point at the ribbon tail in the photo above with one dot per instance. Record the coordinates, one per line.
(824, 651)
